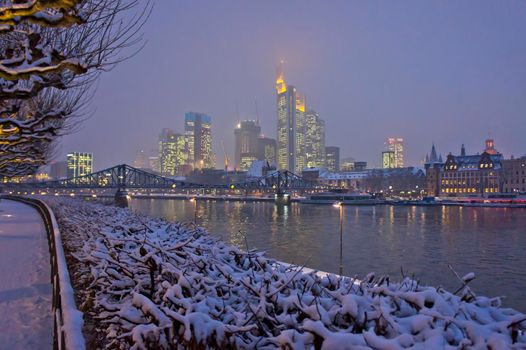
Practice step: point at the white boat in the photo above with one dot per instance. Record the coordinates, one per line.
(344, 198)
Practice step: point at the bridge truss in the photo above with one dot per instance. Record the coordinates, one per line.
(123, 177)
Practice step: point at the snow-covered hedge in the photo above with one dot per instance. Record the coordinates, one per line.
(148, 283)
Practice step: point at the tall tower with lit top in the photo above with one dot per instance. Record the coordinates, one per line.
(291, 106)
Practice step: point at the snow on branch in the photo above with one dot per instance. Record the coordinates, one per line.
(42, 12)
(146, 283)
(51, 52)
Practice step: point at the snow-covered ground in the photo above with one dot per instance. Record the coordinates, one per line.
(26, 320)
(147, 283)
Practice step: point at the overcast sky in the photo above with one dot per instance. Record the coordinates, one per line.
(448, 72)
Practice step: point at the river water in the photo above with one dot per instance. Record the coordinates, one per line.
(383, 239)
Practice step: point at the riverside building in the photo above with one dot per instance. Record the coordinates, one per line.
(404, 182)
(407, 182)
(514, 175)
(470, 175)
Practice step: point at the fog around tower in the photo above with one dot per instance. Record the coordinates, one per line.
(444, 72)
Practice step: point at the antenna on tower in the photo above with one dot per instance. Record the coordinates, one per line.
(237, 113)
(257, 112)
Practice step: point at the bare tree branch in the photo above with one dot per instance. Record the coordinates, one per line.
(51, 53)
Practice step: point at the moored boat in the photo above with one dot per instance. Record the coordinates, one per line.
(343, 198)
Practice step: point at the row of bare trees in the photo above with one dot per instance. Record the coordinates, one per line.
(51, 53)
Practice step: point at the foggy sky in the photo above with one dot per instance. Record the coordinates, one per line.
(448, 72)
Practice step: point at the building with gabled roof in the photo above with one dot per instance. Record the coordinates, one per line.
(468, 175)
(464, 175)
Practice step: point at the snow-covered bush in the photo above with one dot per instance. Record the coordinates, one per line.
(148, 283)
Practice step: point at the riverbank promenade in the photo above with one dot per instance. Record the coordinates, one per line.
(26, 320)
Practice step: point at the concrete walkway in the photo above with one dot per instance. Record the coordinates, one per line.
(25, 288)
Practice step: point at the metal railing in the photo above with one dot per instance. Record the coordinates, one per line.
(67, 325)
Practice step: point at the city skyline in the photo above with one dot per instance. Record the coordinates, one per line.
(366, 90)
(220, 174)
(313, 137)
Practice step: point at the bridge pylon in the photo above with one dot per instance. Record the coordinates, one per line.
(282, 197)
(121, 196)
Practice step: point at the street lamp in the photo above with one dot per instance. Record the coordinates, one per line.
(193, 200)
(339, 205)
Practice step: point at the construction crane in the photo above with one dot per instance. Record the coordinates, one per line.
(227, 159)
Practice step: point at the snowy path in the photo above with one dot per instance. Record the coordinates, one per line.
(25, 289)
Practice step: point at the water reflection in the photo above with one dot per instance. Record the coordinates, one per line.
(422, 240)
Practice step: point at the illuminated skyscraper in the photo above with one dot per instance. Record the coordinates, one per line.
(314, 140)
(198, 133)
(79, 164)
(172, 152)
(388, 159)
(332, 156)
(246, 137)
(291, 125)
(396, 145)
(300, 134)
(267, 150)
